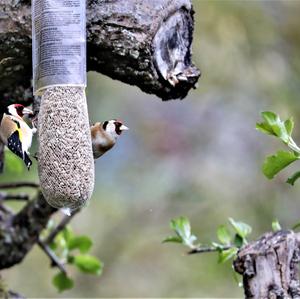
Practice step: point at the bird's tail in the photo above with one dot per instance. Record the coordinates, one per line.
(27, 160)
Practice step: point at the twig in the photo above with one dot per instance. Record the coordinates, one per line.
(19, 185)
(207, 249)
(19, 197)
(59, 227)
(54, 259)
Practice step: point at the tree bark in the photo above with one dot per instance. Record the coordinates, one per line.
(19, 232)
(269, 266)
(146, 43)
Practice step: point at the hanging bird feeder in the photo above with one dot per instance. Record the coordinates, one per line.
(65, 158)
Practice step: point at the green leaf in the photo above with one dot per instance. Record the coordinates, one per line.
(62, 282)
(241, 228)
(276, 226)
(224, 235)
(218, 246)
(292, 179)
(274, 126)
(239, 241)
(227, 254)
(88, 264)
(264, 128)
(67, 233)
(83, 243)
(275, 163)
(53, 246)
(174, 239)
(270, 117)
(182, 228)
(289, 126)
(60, 241)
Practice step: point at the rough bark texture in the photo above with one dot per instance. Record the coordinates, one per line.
(146, 43)
(270, 266)
(18, 233)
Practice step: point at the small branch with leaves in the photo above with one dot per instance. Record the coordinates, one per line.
(231, 238)
(274, 126)
(265, 264)
(58, 242)
(65, 248)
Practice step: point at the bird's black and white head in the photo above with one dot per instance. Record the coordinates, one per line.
(114, 127)
(18, 110)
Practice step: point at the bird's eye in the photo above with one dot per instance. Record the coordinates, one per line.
(105, 125)
(19, 108)
(118, 127)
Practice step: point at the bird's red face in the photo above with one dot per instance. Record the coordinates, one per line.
(18, 110)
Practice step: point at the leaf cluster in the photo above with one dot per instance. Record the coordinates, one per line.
(73, 250)
(230, 237)
(273, 125)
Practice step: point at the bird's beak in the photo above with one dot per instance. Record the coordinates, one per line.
(124, 128)
(27, 111)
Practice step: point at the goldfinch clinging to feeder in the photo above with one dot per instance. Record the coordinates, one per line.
(15, 133)
(105, 134)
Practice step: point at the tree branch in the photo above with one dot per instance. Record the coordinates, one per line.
(53, 258)
(21, 231)
(140, 42)
(8, 294)
(207, 249)
(64, 222)
(19, 185)
(20, 197)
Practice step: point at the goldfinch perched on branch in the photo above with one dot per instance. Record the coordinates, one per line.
(105, 135)
(15, 133)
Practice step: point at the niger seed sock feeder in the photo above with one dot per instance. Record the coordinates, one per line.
(65, 158)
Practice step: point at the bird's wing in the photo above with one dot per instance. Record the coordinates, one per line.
(15, 145)
(8, 126)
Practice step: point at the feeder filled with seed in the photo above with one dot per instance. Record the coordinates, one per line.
(65, 158)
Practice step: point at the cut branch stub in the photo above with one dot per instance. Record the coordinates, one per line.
(270, 266)
(172, 53)
(149, 44)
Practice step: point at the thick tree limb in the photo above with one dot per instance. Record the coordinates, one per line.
(18, 233)
(146, 43)
(270, 266)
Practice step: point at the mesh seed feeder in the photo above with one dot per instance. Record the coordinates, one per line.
(65, 158)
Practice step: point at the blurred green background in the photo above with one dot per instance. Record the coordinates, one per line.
(200, 157)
